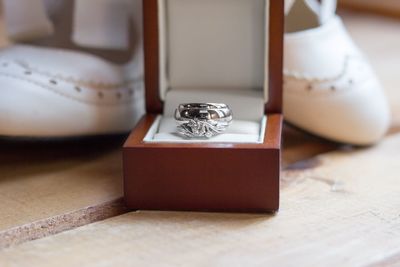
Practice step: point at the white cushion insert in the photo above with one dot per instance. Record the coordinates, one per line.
(240, 131)
(215, 43)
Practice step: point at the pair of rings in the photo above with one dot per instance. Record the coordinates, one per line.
(202, 120)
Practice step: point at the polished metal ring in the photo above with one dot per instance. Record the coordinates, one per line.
(202, 120)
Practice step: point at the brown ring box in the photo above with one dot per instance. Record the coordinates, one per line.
(227, 177)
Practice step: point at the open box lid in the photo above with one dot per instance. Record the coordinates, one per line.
(156, 36)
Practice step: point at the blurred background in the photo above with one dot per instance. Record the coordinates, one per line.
(385, 7)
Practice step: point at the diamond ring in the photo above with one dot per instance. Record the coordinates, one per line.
(202, 120)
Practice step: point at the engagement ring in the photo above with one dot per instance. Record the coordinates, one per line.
(202, 120)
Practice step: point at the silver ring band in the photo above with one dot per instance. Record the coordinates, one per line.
(202, 120)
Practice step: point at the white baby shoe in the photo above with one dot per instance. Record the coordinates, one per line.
(330, 89)
(58, 93)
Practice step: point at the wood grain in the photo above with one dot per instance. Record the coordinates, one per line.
(59, 223)
(49, 187)
(52, 183)
(343, 212)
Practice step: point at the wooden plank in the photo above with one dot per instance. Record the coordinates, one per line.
(342, 212)
(59, 223)
(384, 7)
(47, 187)
(298, 146)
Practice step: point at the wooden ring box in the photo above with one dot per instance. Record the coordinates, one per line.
(227, 51)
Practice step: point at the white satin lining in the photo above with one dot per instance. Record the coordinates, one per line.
(163, 130)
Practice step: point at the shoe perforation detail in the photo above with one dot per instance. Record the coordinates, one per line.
(309, 78)
(49, 88)
(71, 79)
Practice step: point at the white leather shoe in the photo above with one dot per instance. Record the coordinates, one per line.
(330, 89)
(50, 93)
(57, 93)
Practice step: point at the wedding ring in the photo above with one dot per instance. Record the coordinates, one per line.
(202, 120)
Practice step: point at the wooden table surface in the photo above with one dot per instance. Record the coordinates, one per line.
(384, 7)
(60, 203)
